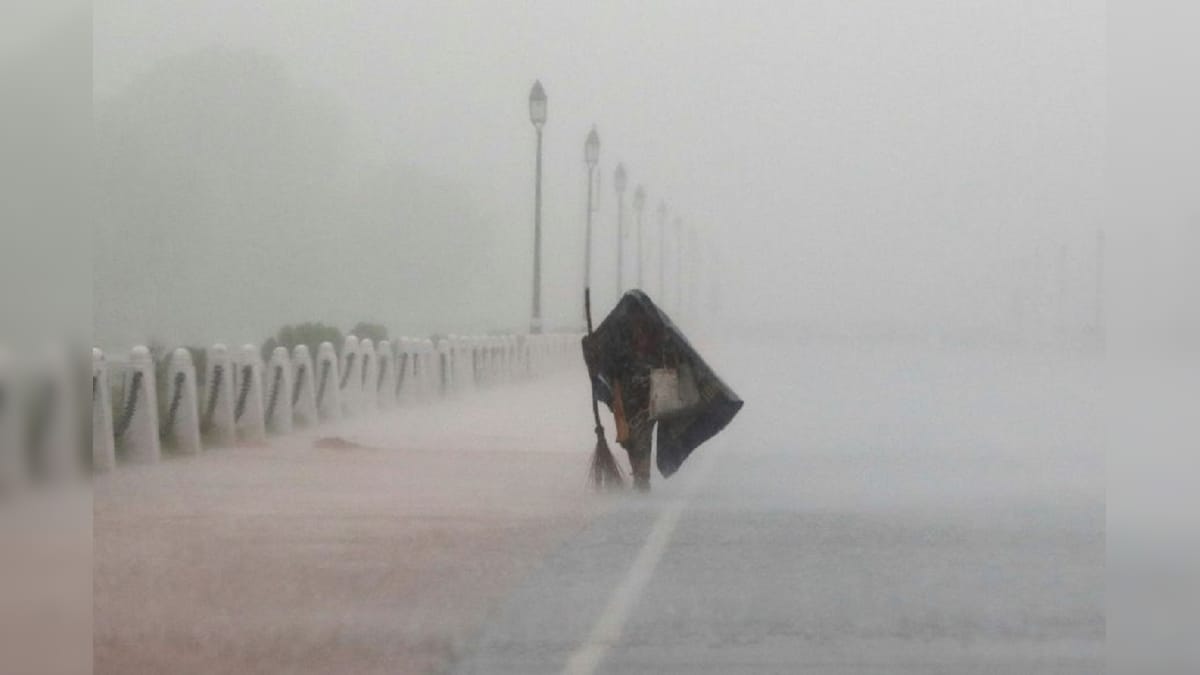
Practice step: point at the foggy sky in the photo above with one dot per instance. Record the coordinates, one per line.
(929, 164)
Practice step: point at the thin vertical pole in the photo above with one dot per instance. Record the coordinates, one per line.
(662, 254)
(1100, 318)
(639, 248)
(587, 249)
(620, 243)
(535, 325)
(679, 266)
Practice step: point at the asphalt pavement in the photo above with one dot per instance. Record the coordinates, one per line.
(872, 511)
(922, 509)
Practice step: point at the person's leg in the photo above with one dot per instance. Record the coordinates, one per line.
(639, 455)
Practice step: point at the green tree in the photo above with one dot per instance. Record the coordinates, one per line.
(376, 332)
(310, 334)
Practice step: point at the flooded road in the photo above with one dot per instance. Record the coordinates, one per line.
(871, 510)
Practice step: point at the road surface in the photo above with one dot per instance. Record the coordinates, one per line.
(872, 510)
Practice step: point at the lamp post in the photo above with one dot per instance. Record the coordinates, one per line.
(619, 179)
(639, 203)
(591, 155)
(695, 259)
(678, 264)
(537, 115)
(1099, 309)
(662, 250)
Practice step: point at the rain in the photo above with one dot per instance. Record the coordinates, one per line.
(626, 337)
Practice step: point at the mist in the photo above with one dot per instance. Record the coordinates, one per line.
(938, 257)
(928, 170)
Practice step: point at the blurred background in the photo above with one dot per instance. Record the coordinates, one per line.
(929, 169)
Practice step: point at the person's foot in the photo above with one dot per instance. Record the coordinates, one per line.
(641, 482)
(641, 473)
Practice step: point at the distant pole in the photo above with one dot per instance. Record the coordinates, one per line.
(1061, 313)
(662, 251)
(679, 264)
(695, 256)
(619, 179)
(537, 115)
(639, 204)
(591, 155)
(1100, 317)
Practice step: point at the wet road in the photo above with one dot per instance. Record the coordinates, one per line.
(871, 511)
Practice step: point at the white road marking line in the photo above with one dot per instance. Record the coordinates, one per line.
(607, 629)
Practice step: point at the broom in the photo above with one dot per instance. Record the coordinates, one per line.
(604, 472)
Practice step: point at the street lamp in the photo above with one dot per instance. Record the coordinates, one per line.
(662, 250)
(639, 203)
(537, 115)
(679, 264)
(591, 155)
(619, 180)
(695, 259)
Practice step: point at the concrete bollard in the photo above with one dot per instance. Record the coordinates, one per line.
(445, 366)
(104, 452)
(136, 426)
(368, 400)
(469, 350)
(464, 364)
(411, 387)
(489, 360)
(414, 371)
(509, 351)
(248, 402)
(534, 348)
(478, 350)
(430, 356)
(278, 414)
(419, 369)
(496, 359)
(387, 374)
(476, 362)
(328, 394)
(14, 469)
(479, 346)
(350, 384)
(498, 375)
(514, 358)
(181, 423)
(478, 365)
(304, 389)
(403, 382)
(459, 370)
(448, 354)
(51, 435)
(522, 356)
(501, 358)
(62, 441)
(217, 414)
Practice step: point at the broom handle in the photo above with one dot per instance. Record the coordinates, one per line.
(587, 310)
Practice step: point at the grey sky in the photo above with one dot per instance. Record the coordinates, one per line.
(918, 163)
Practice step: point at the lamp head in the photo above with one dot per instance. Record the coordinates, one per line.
(537, 105)
(591, 148)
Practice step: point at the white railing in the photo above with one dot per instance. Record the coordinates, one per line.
(239, 399)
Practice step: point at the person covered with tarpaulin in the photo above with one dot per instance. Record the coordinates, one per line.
(647, 373)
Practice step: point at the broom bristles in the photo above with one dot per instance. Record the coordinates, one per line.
(604, 472)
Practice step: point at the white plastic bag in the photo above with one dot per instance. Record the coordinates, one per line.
(672, 392)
